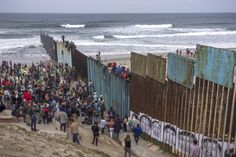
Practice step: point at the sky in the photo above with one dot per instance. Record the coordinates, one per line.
(117, 6)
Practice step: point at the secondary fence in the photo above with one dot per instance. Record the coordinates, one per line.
(114, 89)
(79, 62)
(177, 99)
(190, 100)
(50, 45)
(66, 53)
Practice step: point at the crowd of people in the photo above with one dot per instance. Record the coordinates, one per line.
(38, 92)
(44, 92)
(187, 52)
(119, 70)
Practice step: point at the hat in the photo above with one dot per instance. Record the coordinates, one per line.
(100, 96)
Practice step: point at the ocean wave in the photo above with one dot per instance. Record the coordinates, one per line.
(99, 37)
(161, 26)
(188, 34)
(198, 29)
(7, 44)
(103, 37)
(73, 26)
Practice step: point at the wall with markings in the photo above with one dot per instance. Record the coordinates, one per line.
(182, 111)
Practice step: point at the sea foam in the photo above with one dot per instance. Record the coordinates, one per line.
(154, 26)
(73, 26)
(187, 34)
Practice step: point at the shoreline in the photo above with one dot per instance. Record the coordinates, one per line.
(122, 59)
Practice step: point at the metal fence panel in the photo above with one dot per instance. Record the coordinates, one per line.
(50, 45)
(204, 112)
(216, 65)
(180, 69)
(113, 88)
(79, 62)
(138, 64)
(64, 54)
(147, 96)
(156, 67)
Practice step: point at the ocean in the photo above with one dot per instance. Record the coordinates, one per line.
(117, 34)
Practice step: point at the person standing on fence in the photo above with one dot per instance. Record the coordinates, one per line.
(195, 149)
(98, 56)
(127, 145)
(137, 133)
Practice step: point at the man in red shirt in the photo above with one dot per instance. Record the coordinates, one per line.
(27, 96)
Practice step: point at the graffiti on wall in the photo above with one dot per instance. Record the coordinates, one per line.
(181, 140)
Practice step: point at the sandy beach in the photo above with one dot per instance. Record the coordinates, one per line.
(16, 139)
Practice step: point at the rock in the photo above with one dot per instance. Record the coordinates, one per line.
(56, 154)
(27, 139)
(68, 155)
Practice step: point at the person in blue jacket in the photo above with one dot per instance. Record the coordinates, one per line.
(137, 133)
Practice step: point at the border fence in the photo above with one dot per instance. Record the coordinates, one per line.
(177, 98)
(114, 89)
(195, 102)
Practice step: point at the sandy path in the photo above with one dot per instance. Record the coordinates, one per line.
(17, 140)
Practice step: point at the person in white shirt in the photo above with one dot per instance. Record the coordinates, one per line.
(102, 124)
(195, 149)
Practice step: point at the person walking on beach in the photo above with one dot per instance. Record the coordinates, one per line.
(137, 133)
(102, 124)
(127, 145)
(117, 126)
(95, 130)
(195, 149)
(75, 131)
(33, 117)
(7, 98)
(111, 127)
(63, 119)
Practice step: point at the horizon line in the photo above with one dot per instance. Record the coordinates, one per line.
(116, 13)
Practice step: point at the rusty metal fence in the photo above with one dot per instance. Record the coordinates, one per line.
(64, 52)
(173, 115)
(173, 109)
(79, 62)
(50, 45)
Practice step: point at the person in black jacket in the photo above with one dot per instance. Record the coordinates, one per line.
(95, 130)
(127, 145)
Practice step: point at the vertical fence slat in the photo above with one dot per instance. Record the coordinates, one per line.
(225, 118)
(231, 118)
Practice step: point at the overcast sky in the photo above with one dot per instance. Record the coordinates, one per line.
(117, 6)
